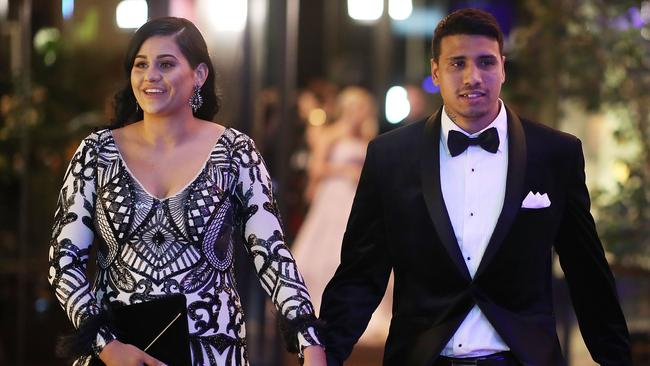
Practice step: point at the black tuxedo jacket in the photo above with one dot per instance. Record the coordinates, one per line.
(399, 221)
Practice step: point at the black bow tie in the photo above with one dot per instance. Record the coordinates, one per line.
(458, 141)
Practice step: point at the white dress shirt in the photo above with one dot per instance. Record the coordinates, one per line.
(473, 187)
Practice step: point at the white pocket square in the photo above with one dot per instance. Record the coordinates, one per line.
(536, 200)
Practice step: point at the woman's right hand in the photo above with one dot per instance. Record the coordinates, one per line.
(117, 353)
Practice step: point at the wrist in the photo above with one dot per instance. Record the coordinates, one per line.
(314, 354)
(102, 339)
(108, 348)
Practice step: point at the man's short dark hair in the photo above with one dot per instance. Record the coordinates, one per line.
(466, 21)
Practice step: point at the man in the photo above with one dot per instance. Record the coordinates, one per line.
(466, 209)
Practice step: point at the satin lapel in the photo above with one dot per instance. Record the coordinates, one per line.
(432, 192)
(514, 188)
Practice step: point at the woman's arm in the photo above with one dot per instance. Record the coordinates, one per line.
(72, 237)
(275, 266)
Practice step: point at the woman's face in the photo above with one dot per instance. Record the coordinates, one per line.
(162, 78)
(357, 109)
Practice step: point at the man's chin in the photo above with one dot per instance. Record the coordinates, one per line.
(475, 113)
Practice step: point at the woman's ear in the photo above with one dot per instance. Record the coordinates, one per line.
(200, 74)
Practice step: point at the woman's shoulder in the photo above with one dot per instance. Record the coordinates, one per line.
(98, 137)
(234, 133)
(238, 147)
(236, 139)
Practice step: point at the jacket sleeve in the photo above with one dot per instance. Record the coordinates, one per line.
(591, 283)
(72, 238)
(361, 279)
(275, 266)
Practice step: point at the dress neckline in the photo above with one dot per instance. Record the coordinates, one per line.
(182, 189)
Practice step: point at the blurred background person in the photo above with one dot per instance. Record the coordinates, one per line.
(315, 108)
(338, 152)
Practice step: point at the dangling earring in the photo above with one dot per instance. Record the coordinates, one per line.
(137, 107)
(196, 100)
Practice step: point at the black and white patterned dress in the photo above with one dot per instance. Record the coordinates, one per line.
(150, 247)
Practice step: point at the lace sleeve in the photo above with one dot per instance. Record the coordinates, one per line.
(72, 238)
(275, 266)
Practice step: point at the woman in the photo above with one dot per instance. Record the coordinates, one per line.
(338, 153)
(168, 192)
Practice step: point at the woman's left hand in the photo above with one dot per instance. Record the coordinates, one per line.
(315, 356)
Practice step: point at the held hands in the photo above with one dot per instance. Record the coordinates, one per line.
(117, 353)
(315, 356)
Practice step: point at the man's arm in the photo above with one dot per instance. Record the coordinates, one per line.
(360, 281)
(591, 283)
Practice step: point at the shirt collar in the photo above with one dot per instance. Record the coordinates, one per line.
(500, 122)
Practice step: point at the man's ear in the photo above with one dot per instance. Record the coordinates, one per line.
(503, 69)
(434, 72)
(200, 74)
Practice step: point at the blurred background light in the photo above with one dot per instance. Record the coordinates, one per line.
(621, 172)
(4, 8)
(226, 15)
(400, 9)
(420, 22)
(182, 9)
(633, 18)
(365, 10)
(429, 86)
(131, 13)
(41, 305)
(317, 117)
(397, 104)
(67, 8)
(45, 41)
(44, 36)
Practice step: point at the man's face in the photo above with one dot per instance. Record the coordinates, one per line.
(469, 72)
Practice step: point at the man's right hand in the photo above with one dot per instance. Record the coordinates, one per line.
(117, 353)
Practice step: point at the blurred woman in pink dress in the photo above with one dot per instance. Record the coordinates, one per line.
(339, 150)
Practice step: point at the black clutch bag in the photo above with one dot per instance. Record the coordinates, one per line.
(158, 327)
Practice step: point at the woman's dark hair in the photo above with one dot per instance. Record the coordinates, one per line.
(466, 21)
(192, 45)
